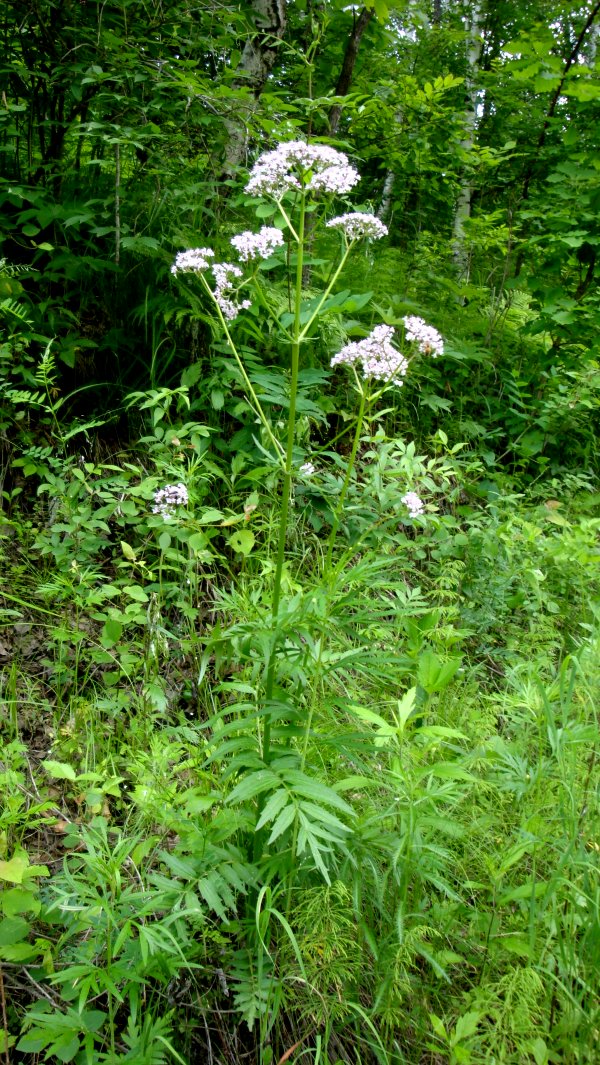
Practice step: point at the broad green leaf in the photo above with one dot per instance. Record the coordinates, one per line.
(524, 891)
(210, 516)
(128, 551)
(406, 706)
(13, 930)
(14, 901)
(112, 631)
(434, 674)
(242, 541)
(14, 870)
(59, 770)
(135, 592)
(253, 785)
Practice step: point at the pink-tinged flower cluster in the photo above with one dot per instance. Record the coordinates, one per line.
(226, 275)
(357, 225)
(168, 498)
(414, 504)
(378, 356)
(428, 340)
(257, 245)
(193, 261)
(295, 164)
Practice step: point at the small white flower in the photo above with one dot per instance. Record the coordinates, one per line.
(414, 504)
(193, 261)
(307, 469)
(336, 179)
(358, 225)
(169, 497)
(379, 358)
(225, 276)
(428, 340)
(257, 245)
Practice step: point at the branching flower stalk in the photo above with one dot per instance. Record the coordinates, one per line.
(293, 175)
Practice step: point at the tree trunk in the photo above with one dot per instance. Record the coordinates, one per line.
(463, 207)
(256, 63)
(348, 64)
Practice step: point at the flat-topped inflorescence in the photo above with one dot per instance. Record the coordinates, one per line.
(295, 165)
(257, 245)
(427, 339)
(359, 224)
(195, 260)
(378, 356)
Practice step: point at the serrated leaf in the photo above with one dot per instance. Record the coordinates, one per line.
(308, 788)
(59, 770)
(283, 822)
(273, 807)
(466, 1025)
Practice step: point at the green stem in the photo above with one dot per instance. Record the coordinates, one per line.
(316, 690)
(287, 475)
(248, 383)
(338, 510)
(331, 283)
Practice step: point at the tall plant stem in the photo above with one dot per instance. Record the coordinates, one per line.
(287, 474)
(315, 693)
(338, 510)
(248, 383)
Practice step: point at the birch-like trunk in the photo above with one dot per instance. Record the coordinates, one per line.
(256, 63)
(460, 253)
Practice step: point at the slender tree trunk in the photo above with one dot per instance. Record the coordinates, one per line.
(463, 207)
(385, 207)
(256, 63)
(348, 64)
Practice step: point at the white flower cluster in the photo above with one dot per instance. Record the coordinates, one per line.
(225, 275)
(169, 497)
(427, 338)
(295, 164)
(358, 225)
(379, 358)
(194, 260)
(414, 504)
(308, 469)
(257, 245)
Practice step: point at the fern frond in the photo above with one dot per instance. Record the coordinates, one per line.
(17, 310)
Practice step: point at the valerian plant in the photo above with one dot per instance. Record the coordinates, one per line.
(302, 179)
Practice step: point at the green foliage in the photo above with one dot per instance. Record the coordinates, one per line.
(289, 770)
